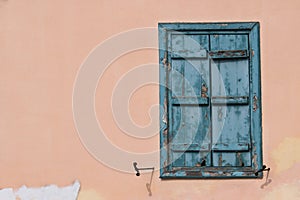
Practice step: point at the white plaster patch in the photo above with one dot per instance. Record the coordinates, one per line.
(51, 192)
(7, 194)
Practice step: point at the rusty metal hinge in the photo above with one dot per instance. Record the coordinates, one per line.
(165, 61)
(255, 100)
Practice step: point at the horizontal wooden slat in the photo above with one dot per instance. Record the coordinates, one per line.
(203, 32)
(189, 54)
(237, 26)
(228, 54)
(190, 147)
(190, 101)
(244, 100)
(230, 147)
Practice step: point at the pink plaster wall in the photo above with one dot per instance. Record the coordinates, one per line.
(42, 45)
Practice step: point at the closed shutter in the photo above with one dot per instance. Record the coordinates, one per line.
(230, 100)
(211, 126)
(189, 100)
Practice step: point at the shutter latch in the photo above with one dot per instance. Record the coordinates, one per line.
(148, 185)
(268, 181)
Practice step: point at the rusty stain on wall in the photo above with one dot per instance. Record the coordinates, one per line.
(89, 195)
(286, 154)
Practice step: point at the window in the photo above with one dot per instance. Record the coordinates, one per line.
(210, 97)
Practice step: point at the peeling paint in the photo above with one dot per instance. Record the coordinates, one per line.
(254, 158)
(165, 166)
(165, 117)
(204, 90)
(206, 116)
(239, 159)
(220, 113)
(220, 161)
(168, 66)
(7, 194)
(165, 62)
(165, 132)
(199, 172)
(255, 99)
(228, 53)
(50, 192)
(166, 142)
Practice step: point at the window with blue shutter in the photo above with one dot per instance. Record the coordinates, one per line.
(210, 97)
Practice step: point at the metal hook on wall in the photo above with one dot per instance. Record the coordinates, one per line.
(148, 185)
(268, 181)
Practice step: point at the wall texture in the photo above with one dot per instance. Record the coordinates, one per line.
(42, 45)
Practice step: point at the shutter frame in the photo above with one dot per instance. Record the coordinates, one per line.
(255, 145)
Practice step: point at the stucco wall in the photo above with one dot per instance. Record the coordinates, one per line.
(42, 45)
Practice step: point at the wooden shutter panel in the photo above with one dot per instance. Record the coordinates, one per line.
(230, 101)
(189, 103)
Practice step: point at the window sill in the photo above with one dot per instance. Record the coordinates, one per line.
(211, 173)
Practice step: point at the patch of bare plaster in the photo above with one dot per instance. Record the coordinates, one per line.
(286, 154)
(89, 195)
(284, 191)
(7, 194)
(51, 192)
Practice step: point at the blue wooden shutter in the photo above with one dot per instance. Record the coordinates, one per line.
(210, 94)
(230, 100)
(189, 102)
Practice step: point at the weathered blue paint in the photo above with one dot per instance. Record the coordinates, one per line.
(222, 26)
(208, 129)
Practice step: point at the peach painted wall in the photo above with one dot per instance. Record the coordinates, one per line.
(44, 42)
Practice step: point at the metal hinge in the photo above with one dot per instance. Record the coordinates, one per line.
(255, 100)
